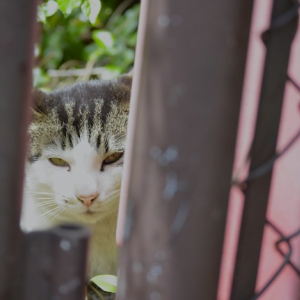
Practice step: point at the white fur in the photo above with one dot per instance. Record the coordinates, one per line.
(50, 198)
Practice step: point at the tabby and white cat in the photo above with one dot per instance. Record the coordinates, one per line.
(75, 162)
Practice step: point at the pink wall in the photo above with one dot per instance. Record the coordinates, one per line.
(284, 207)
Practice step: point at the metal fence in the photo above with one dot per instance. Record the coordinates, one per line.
(278, 39)
(283, 238)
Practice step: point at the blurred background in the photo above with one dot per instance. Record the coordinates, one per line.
(84, 39)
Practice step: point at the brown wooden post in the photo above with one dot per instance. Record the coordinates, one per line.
(17, 22)
(186, 95)
(53, 264)
(40, 265)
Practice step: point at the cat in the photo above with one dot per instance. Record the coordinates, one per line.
(75, 160)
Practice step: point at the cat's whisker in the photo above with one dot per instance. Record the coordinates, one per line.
(46, 197)
(46, 218)
(49, 212)
(107, 206)
(112, 193)
(48, 204)
(47, 193)
(39, 192)
(108, 197)
(41, 200)
(55, 215)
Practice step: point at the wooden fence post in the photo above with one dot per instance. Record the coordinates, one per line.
(190, 72)
(17, 22)
(53, 264)
(42, 265)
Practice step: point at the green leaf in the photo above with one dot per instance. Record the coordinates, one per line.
(66, 6)
(107, 283)
(41, 14)
(47, 10)
(91, 9)
(51, 8)
(103, 38)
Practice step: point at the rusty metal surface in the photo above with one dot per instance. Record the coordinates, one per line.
(17, 21)
(53, 264)
(192, 68)
(263, 153)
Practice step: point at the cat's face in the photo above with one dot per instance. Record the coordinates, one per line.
(77, 141)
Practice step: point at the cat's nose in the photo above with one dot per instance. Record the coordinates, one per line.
(87, 200)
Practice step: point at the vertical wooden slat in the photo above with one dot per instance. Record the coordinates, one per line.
(190, 72)
(17, 21)
(53, 264)
(278, 42)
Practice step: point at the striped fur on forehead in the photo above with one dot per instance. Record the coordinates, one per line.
(99, 108)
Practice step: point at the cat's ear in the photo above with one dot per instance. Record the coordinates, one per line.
(124, 88)
(39, 102)
(126, 80)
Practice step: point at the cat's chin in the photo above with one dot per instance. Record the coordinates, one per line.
(90, 217)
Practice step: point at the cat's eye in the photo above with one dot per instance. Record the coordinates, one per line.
(112, 158)
(58, 162)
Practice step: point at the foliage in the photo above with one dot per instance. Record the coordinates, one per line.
(83, 39)
(107, 283)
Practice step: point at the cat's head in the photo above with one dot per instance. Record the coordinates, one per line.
(76, 149)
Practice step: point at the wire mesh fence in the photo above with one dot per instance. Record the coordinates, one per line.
(283, 22)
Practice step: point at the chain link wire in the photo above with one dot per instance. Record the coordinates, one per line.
(266, 167)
